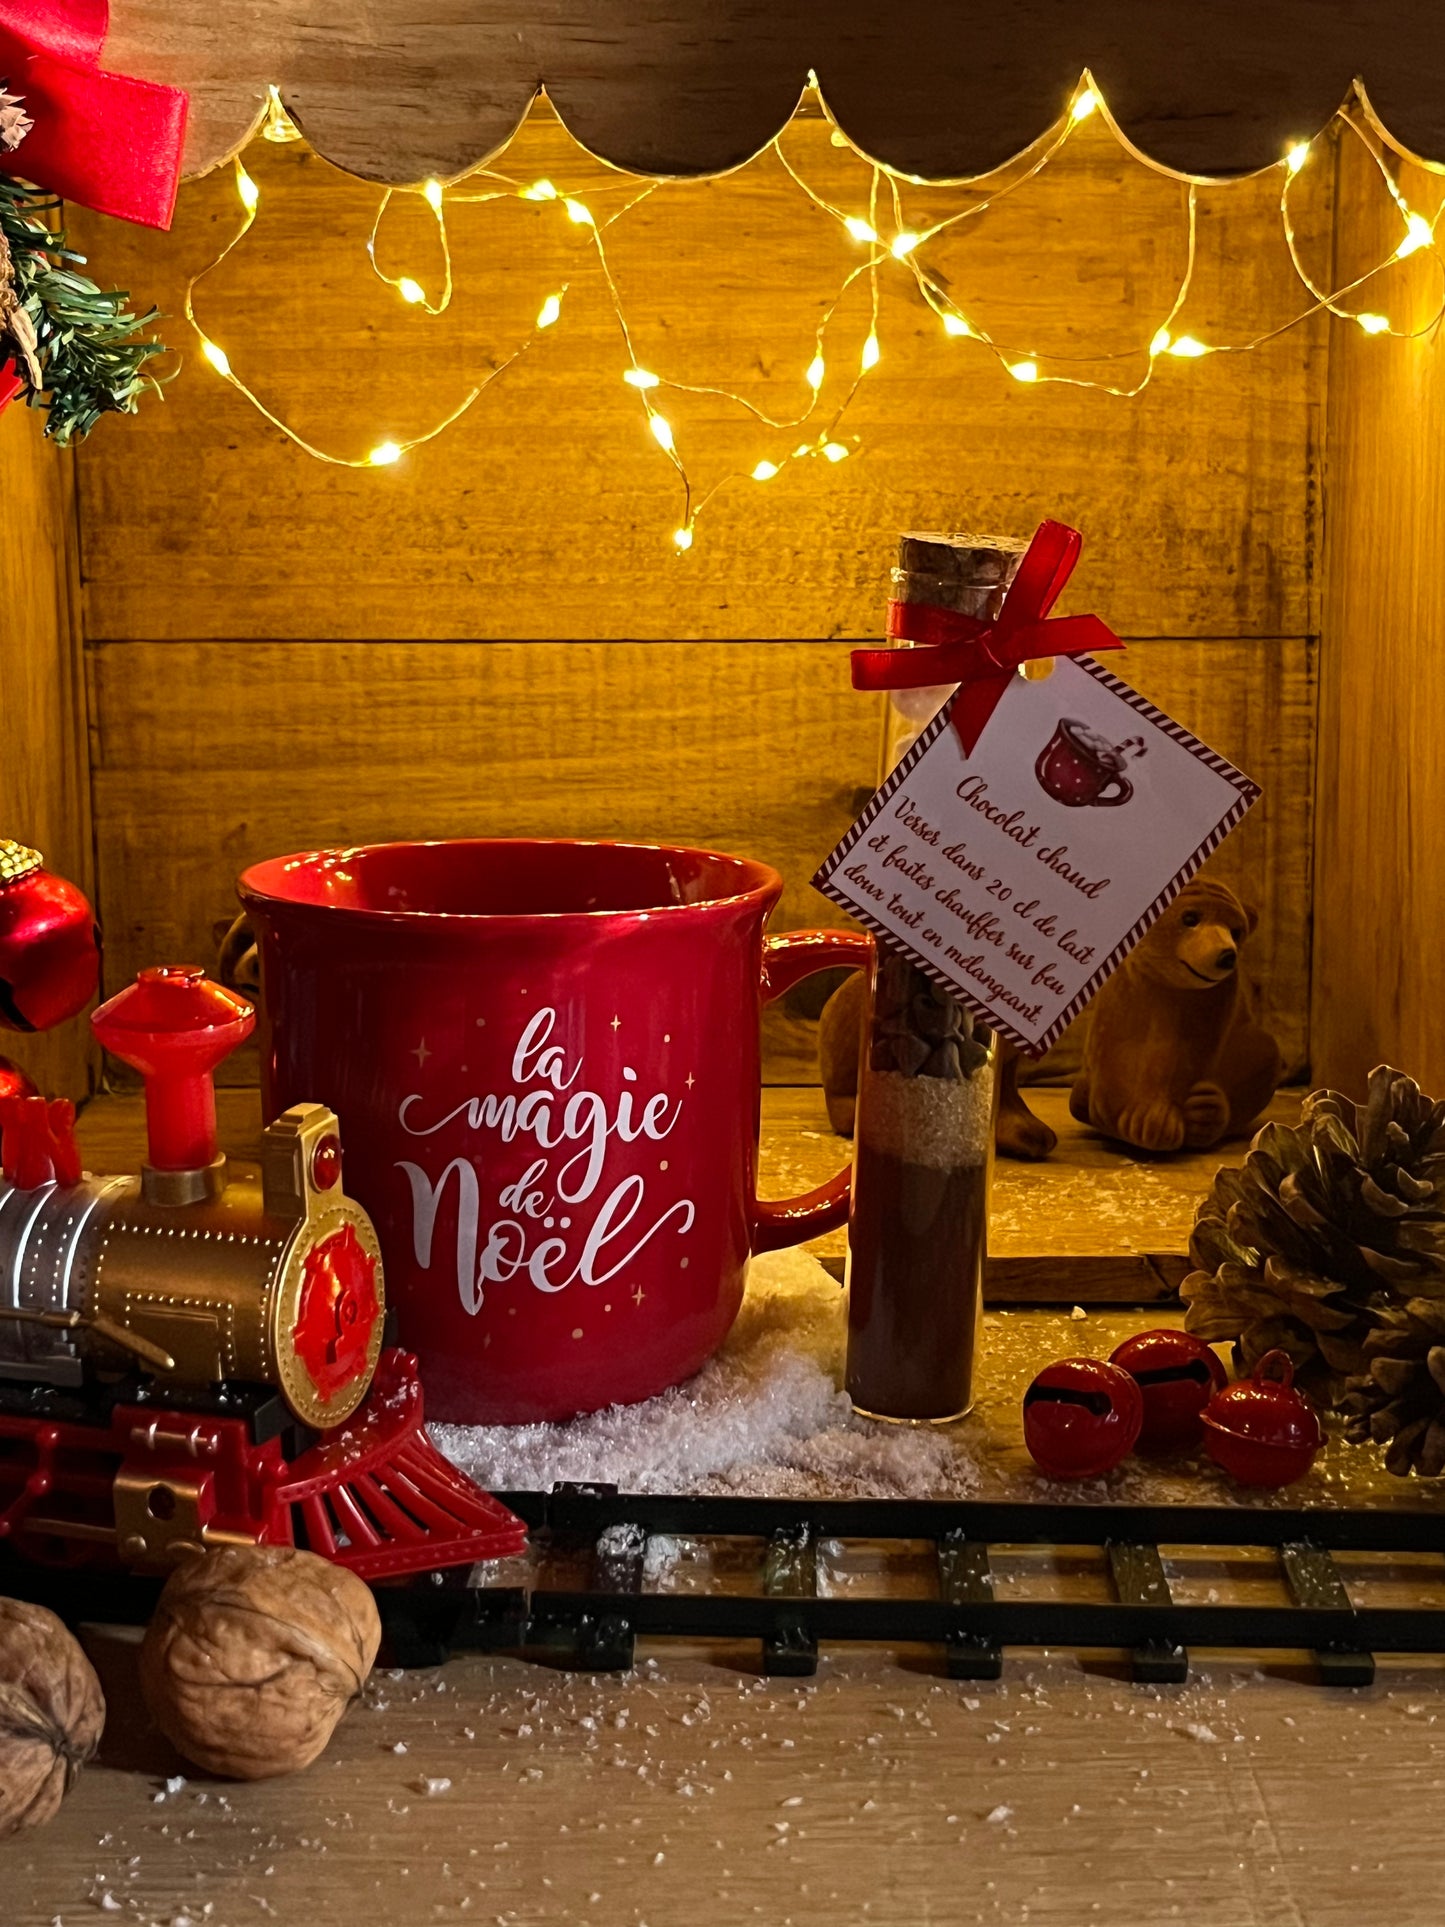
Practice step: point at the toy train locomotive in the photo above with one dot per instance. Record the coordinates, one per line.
(192, 1356)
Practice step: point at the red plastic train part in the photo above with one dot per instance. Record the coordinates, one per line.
(73, 1493)
(375, 1495)
(174, 1026)
(378, 1497)
(37, 1141)
(338, 1312)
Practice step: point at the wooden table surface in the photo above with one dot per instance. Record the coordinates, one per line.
(692, 1792)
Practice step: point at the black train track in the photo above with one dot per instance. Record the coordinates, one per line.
(603, 1534)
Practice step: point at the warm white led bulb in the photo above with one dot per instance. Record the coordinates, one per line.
(279, 124)
(549, 311)
(641, 378)
(384, 454)
(765, 471)
(661, 431)
(814, 376)
(433, 193)
(1188, 349)
(580, 214)
(954, 324)
(835, 451)
(247, 189)
(1160, 342)
(410, 290)
(1297, 155)
(1084, 105)
(1418, 234)
(539, 191)
(871, 353)
(860, 229)
(904, 243)
(217, 356)
(683, 538)
(1373, 324)
(1024, 370)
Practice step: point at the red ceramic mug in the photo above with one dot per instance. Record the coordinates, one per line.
(545, 1060)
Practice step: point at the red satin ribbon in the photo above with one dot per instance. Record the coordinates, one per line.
(108, 141)
(981, 656)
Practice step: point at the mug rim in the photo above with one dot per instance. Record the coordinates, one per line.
(252, 884)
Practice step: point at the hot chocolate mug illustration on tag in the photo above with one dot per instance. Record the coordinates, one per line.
(1078, 766)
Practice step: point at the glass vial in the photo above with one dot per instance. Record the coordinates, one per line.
(927, 1098)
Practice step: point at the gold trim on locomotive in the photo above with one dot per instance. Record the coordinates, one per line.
(206, 1291)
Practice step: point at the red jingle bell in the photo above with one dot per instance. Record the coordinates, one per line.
(1260, 1430)
(1081, 1417)
(1178, 1374)
(49, 945)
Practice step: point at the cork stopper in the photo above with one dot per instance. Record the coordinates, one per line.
(956, 570)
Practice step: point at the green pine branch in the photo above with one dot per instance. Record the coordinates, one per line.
(88, 343)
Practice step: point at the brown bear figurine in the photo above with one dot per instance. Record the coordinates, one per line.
(1173, 1057)
(1018, 1134)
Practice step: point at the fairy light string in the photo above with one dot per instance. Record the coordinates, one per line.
(896, 246)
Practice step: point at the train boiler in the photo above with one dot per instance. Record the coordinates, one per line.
(195, 1355)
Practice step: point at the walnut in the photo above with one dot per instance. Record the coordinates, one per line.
(51, 1714)
(254, 1654)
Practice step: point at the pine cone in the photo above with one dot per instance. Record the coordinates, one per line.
(15, 123)
(1399, 1401)
(1324, 1227)
(16, 327)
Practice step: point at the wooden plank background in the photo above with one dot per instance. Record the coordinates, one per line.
(44, 786)
(548, 512)
(372, 741)
(285, 653)
(1380, 899)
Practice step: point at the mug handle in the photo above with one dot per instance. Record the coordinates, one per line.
(1126, 790)
(778, 1222)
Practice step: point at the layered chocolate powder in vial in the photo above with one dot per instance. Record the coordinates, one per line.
(918, 1233)
(918, 1236)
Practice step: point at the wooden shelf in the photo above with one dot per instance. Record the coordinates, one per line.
(1091, 1225)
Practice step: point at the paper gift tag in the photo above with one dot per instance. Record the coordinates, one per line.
(1021, 876)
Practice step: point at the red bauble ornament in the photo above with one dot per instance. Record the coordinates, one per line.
(1178, 1375)
(1260, 1430)
(1081, 1417)
(49, 945)
(13, 1081)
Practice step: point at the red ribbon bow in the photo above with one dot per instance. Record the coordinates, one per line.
(108, 141)
(981, 656)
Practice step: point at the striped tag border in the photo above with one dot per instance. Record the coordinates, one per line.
(1248, 795)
